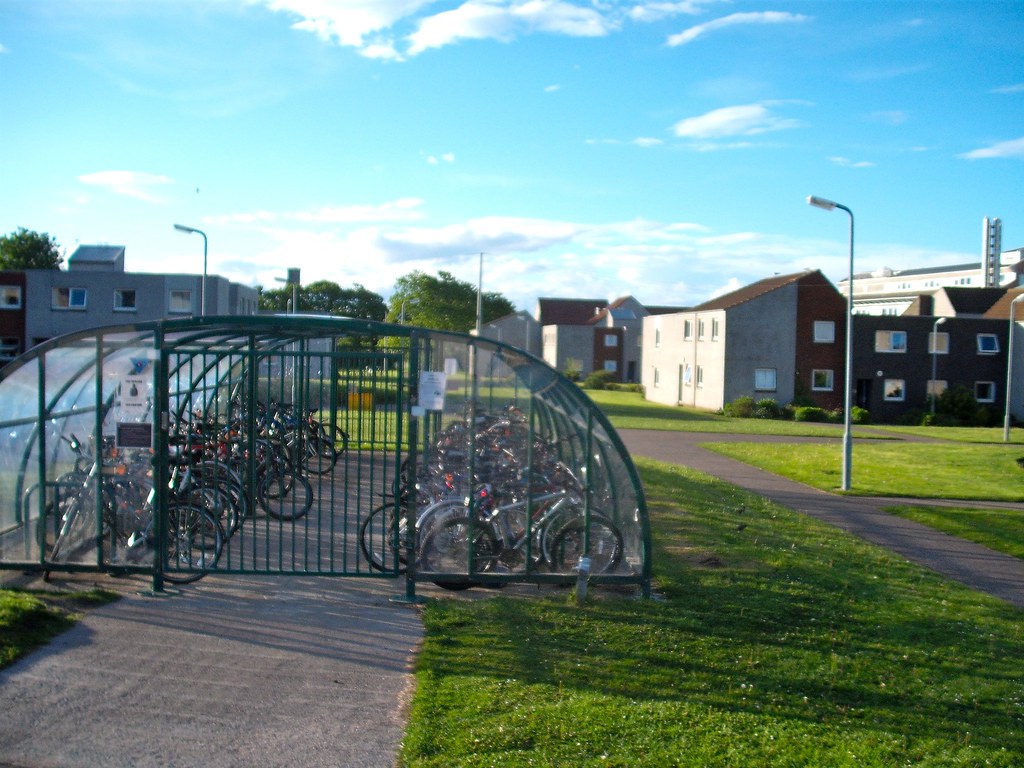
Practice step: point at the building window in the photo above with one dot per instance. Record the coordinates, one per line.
(891, 341)
(985, 391)
(10, 297)
(687, 329)
(124, 300)
(687, 374)
(764, 379)
(988, 344)
(657, 377)
(611, 340)
(700, 330)
(938, 343)
(700, 376)
(10, 348)
(895, 390)
(935, 388)
(822, 380)
(180, 302)
(611, 366)
(68, 298)
(657, 337)
(714, 329)
(824, 332)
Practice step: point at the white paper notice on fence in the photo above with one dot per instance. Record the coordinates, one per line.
(432, 387)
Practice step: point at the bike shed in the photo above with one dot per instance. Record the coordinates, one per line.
(308, 445)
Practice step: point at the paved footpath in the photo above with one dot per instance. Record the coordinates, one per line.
(971, 564)
(231, 671)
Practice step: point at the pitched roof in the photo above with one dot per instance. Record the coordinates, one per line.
(1000, 310)
(568, 311)
(105, 254)
(753, 291)
(973, 301)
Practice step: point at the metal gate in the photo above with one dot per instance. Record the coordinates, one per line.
(310, 437)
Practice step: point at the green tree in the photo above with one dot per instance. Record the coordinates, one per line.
(328, 298)
(26, 249)
(442, 302)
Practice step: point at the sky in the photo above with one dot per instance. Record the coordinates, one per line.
(663, 150)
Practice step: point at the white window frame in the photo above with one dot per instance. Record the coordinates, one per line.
(69, 299)
(715, 328)
(175, 308)
(766, 380)
(657, 377)
(611, 340)
(119, 301)
(700, 375)
(688, 374)
(8, 292)
(894, 390)
(993, 347)
(657, 337)
(612, 366)
(829, 383)
(990, 386)
(885, 341)
(700, 330)
(687, 330)
(824, 332)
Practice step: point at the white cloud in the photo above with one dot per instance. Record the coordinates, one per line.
(1016, 88)
(645, 12)
(740, 120)
(4, 49)
(129, 183)
(647, 141)
(347, 22)
(762, 17)
(889, 116)
(401, 210)
(1012, 148)
(847, 163)
(479, 20)
(552, 88)
(447, 157)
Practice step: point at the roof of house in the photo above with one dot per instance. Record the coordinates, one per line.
(568, 311)
(753, 291)
(972, 301)
(1000, 310)
(97, 254)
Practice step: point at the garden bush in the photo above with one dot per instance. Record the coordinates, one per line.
(860, 415)
(767, 408)
(740, 408)
(599, 380)
(810, 413)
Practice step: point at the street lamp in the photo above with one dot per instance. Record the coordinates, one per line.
(480, 297)
(828, 205)
(202, 297)
(1009, 369)
(935, 355)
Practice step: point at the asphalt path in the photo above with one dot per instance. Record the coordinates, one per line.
(978, 567)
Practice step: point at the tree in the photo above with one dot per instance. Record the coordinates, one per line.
(328, 298)
(443, 303)
(26, 249)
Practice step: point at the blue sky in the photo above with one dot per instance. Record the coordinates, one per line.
(590, 149)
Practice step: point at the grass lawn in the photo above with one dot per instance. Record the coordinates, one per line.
(776, 641)
(998, 529)
(29, 619)
(915, 470)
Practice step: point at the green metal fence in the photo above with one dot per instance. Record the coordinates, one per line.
(302, 445)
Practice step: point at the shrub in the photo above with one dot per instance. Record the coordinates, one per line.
(860, 415)
(810, 413)
(572, 370)
(599, 380)
(766, 408)
(835, 416)
(740, 408)
(959, 403)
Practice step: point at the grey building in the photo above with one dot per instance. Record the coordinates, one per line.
(95, 290)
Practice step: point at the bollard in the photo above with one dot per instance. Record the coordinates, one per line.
(582, 577)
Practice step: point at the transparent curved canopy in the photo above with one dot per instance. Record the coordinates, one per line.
(437, 426)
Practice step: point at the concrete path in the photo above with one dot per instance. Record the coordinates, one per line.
(971, 564)
(232, 671)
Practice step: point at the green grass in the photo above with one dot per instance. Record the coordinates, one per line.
(959, 434)
(776, 641)
(999, 529)
(628, 410)
(915, 470)
(29, 619)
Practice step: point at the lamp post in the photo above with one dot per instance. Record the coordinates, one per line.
(935, 356)
(1009, 369)
(829, 205)
(480, 297)
(202, 295)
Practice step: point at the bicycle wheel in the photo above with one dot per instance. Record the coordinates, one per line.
(377, 539)
(285, 495)
(445, 549)
(568, 545)
(318, 453)
(195, 541)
